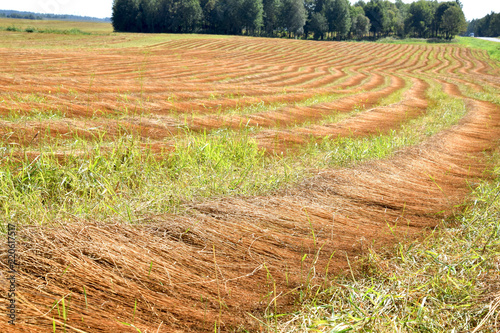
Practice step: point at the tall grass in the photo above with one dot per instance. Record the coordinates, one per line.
(122, 180)
(493, 48)
(125, 181)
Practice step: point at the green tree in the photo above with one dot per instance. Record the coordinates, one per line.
(209, 15)
(483, 26)
(228, 17)
(355, 11)
(420, 16)
(394, 22)
(151, 19)
(360, 25)
(453, 22)
(293, 16)
(251, 15)
(377, 15)
(124, 16)
(318, 25)
(319, 5)
(360, 3)
(271, 14)
(471, 26)
(494, 29)
(337, 13)
(438, 15)
(187, 16)
(311, 7)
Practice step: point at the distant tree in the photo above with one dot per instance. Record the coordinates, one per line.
(293, 16)
(124, 16)
(377, 15)
(402, 7)
(311, 7)
(337, 14)
(187, 15)
(271, 15)
(360, 3)
(251, 12)
(360, 25)
(433, 27)
(318, 25)
(438, 14)
(140, 17)
(319, 5)
(494, 29)
(147, 17)
(420, 16)
(228, 17)
(394, 22)
(209, 15)
(153, 19)
(453, 22)
(471, 26)
(165, 17)
(483, 25)
(355, 11)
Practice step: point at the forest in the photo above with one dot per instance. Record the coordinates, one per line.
(488, 26)
(318, 19)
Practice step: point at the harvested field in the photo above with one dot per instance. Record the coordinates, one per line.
(122, 253)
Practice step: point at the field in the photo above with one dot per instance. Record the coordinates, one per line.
(192, 183)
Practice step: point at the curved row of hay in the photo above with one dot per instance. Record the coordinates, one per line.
(204, 84)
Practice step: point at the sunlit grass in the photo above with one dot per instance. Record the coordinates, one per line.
(122, 180)
(90, 27)
(493, 48)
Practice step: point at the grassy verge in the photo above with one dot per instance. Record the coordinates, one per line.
(493, 48)
(448, 282)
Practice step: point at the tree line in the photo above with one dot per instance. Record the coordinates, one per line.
(40, 16)
(320, 19)
(488, 26)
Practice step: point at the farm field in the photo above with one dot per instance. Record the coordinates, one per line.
(192, 183)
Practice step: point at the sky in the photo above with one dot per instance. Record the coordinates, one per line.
(102, 8)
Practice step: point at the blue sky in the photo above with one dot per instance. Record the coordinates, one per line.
(102, 8)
